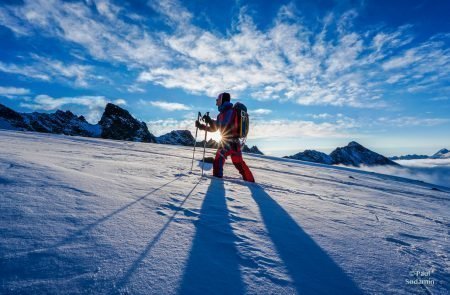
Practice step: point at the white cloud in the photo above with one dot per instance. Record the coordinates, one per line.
(261, 112)
(407, 121)
(435, 171)
(13, 91)
(160, 127)
(285, 61)
(94, 104)
(46, 69)
(135, 89)
(440, 98)
(165, 105)
(322, 116)
(27, 71)
(299, 128)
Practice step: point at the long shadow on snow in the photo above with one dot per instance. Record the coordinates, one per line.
(132, 269)
(213, 264)
(310, 267)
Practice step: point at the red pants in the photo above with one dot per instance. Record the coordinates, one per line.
(233, 150)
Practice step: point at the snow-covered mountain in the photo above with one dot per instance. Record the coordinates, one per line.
(442, 154)
(59, 122)
(93, 216)
(353, 154)
(409, 157)
(312, 156)
(177, 137)
(116, 123)
(356, 155)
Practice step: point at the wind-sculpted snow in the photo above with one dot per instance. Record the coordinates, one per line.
(86, 215)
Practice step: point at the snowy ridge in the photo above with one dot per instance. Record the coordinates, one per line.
(312, 156)
(100, 216)
(177, 137)
(409, 157)
(59, 122)
(353, 154)
(442, 154)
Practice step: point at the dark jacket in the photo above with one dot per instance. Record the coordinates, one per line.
(224, 122)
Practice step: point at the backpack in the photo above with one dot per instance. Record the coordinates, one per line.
(241, 120)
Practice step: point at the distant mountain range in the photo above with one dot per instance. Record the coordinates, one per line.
(353, 154)
(115, 123)
(441, 154)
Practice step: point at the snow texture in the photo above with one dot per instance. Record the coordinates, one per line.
(312, 156)
(86, 215)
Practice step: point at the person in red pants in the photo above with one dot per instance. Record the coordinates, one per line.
(229, 145)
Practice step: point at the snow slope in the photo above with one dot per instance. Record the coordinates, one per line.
(85, 215)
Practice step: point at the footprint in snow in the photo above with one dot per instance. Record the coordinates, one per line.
(399, 242)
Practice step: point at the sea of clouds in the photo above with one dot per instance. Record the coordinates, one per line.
(435, 171)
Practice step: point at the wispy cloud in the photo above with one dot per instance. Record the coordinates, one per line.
(95, 104)
(261, 111)
(28, 71)
(287, 60)
(408, 121)
(13, 91)
(342, 128)
(46, 69)
(160, 127)
(165, 105)
(436, 171)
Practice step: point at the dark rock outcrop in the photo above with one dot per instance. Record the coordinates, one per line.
(312, 156)
(117, 123)
(253, 150)
(12, 118)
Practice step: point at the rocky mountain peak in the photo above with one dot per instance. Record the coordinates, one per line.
(312, 156)
(177, 137)
(118, 123)
(441, 154)
(356, 155)
(253, 150)
(354, 144)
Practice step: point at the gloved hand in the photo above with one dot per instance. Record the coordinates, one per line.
(207, 119)
(198, 124)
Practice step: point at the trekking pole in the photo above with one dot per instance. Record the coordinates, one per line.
(195, 141)
(204, 143)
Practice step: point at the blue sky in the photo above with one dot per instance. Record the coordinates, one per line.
(314, 74)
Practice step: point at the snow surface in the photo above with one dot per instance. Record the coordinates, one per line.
(86, 215)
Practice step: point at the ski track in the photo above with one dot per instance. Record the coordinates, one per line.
(112, 217)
